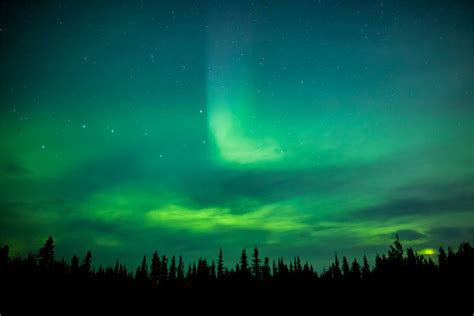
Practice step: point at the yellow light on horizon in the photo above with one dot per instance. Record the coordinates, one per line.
(427, 252)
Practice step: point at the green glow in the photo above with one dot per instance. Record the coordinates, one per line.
(234, 146)
(427, 252)
(304, 129)
(231, 109)
(107, 241)
(215, 219)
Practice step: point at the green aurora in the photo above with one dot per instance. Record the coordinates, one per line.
(303, 127)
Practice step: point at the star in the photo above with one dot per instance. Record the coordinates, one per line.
(83, 125)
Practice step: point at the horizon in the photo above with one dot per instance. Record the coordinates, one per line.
(425, 254)
(304, 128)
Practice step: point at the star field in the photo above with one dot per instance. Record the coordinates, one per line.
(304, 127)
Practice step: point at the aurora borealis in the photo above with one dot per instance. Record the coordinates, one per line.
(303, 127)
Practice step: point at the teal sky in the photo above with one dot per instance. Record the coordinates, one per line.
(304, 127)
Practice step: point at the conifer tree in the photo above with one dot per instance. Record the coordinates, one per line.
(220, 265)
(46, 254)
(256, 264)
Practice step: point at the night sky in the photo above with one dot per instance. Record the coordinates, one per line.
(303, 127)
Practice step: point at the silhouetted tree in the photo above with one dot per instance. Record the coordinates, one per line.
(345, 267)
(275, 270)
(244, 264)
(86, 263)
(411, 262)
(256, 264)
(395, 256)
(74, 265)
(163, 279)
(366, 269)
(203, 273)
(189, 275)
(172, 273)
(355, 270)
(298, 267)
(46, 253)
(336, 270)
(155, 268)
(180, 276)
(212, 271)
(266, 273)
(4, 256)
(442, 259)
(308, 274)
(194, 271)
(397, 269)
(142, 271)
(283, 272)
(220, 265)
(144, 268)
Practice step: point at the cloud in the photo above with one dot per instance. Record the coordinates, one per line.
(107, 241)
(448, 234)
(241, 189)
(12, 168)
(388, 178)
(407, 234)
(422, 205)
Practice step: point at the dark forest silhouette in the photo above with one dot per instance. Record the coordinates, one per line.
(161, 272)
(398, 269)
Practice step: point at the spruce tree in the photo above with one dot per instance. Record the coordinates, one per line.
(355, 270)
(86, 263)
(256, 265)
(46, 254)
(155, 268)
(345, 267)
(220, 265)
(172, 273)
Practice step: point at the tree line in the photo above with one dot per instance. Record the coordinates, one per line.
(160, 272)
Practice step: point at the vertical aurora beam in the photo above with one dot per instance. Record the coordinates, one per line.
(231, 92)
